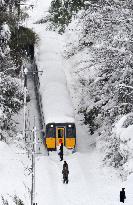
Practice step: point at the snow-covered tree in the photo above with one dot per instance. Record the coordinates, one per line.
(99, 46)
(61, 13)
(10, 91)
(11, 94)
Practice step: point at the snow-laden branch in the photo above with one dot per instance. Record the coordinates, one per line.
(127, 86)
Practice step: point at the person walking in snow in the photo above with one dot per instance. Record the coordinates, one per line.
(122, 195)
(65, 165)
(65, 173)
(61, 152)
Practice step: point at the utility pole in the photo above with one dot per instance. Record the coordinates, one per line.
(33, 191)
(25, 104)
(33, 173)
(25, 94)
(18, 9)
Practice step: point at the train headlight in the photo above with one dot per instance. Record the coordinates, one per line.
(51, 125)
(69, 125)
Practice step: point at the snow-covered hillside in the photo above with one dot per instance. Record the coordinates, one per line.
(14, 180)
(98, 47)
(14, 184)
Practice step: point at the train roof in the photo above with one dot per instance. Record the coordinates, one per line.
(56, 103)
(56, 100)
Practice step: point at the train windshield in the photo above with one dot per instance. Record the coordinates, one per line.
(70, 132)
(60, 132)
(50, 132)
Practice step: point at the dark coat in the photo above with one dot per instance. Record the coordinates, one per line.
(61, 148)
(65, 173)
(122, 196)
(65, 166)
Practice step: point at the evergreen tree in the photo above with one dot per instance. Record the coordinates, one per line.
(14, 42)
(10, 92)
(61, 12)
(18, 201)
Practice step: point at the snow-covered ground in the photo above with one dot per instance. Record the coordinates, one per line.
(90, 183)
(15, 165)
(14, 180)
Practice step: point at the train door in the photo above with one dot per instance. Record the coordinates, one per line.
(60, 135)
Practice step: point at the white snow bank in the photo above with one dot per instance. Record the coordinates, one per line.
(119, 126)
(13, 180)
(128, 185)
(124, 129)
(120, 146)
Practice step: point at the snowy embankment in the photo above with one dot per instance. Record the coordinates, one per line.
(91, 89)
(13, 174)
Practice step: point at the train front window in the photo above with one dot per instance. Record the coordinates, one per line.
(60, 133)
(50, 132)
(70, 132)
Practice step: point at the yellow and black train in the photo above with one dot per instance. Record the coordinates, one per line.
(57, 133)
(57, 101)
